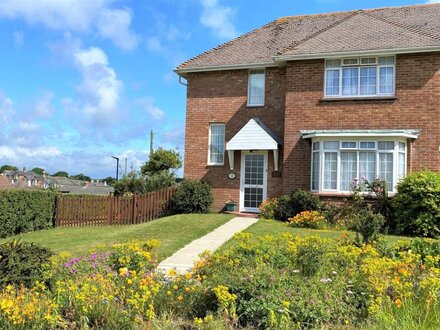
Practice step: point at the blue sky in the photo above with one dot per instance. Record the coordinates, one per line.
(82, 80)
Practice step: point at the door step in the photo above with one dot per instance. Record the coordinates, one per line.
(244, 214)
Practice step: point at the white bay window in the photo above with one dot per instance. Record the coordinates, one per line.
(338, 164)
(360, 77)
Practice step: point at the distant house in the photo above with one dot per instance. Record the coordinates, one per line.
(5, 183)
(72, 186)
(25, 179)
(315, 102)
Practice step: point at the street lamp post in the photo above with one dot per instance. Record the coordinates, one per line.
(117, 167)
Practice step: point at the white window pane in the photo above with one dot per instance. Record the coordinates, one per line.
(367, 166)
(386, 169)
(348, 145)
(388, 60)
(402, 166)
(367, 145)
(332, 82)
(217, 144)
(331, 145)
(350, 81)
(350, 61)
(330, 170)
(256, 87)
(386, 145)
(402, 146)
(315, 171)
(368, 81)
(368, 60)
(348, 169)
(386, 80)
(333, 63)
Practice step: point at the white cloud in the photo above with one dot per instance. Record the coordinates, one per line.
(18, 38)
(114, 24)
(155, 44)
(100, 90)
(6, 109)
(218, 18)
(150, 108)
(42, 106)
(433, 1)
(76, 16)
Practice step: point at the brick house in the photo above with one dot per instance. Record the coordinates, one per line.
(314, 102)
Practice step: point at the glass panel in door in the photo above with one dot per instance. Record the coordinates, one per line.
(253, 180)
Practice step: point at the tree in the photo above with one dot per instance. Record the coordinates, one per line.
(82, 177)
(38, 170)
(61, 174)
(8, 168)
(162, 160)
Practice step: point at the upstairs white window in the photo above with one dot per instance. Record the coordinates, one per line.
(256, 84)
(360, 77)
(216, 154)
(337, 165)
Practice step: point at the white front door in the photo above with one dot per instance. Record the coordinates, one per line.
(253, 180)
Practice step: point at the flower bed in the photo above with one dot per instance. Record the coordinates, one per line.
(267, 282)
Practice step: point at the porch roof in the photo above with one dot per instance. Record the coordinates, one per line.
(254, 136)
(408, 133)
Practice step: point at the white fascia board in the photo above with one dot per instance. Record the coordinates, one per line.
(268, 146)
(360, 134)
(209, 68)
(376, 52)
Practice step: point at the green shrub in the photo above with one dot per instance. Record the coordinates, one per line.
(24, 210)
(417, 204)
(301, 200)
(282, 211)
(367, 224)
(268, 208)
(192, 196)
(297, 202)
(22, 263)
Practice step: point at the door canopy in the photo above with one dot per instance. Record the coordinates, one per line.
(254, 136)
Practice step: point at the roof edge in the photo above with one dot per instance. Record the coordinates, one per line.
(183, 71)
(383, 51)
(408, 133)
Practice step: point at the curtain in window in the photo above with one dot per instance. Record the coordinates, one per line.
(367, 165)
(350, 81)
(368, 81)
(386, 169)
(332, 82)
(256, 87)
(386, 80)
(348, 169)
(330, 170)
(217, 146)
(315, 171)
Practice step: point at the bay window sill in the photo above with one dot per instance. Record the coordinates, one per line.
(344, 194)
(358, 98)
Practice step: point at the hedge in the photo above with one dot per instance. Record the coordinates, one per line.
(25, 210)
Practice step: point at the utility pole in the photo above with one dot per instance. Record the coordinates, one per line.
(151, 142)
(125, 172)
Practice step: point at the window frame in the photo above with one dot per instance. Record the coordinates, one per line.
(249, 88)
(396, 151)
(209, 144)
(359, 66)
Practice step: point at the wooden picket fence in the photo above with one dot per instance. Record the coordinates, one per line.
(111, 210)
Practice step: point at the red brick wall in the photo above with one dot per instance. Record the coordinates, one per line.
(221, 97)
(417, 106)
(298, 88)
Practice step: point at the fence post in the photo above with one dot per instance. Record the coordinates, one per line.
(133, 218)
(109, 210)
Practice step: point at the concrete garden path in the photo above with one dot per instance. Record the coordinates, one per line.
(183, 260)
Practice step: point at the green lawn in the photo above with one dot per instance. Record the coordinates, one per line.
(173, 232)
